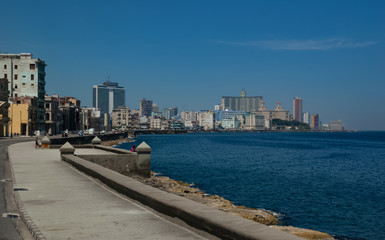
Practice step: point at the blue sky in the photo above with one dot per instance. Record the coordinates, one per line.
(190, 53)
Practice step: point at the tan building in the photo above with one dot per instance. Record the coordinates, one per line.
(314, 122)
(19, 113)
(207, 120)
(155, 123)
(254, 122)
(121, 116)
(277, 113)
(23, 114)
(269, 115)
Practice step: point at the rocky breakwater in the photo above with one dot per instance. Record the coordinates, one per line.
(258, 215)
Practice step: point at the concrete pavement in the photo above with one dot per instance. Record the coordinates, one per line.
(10, 228)
(66, 204)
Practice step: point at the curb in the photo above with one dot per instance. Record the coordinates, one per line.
(31, 226)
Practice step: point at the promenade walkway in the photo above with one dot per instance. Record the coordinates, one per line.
(66, 204)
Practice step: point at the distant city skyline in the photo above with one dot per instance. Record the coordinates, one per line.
(190, 54)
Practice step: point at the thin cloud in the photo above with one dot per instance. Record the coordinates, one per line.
(325, 44)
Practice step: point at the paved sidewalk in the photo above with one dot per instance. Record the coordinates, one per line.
(66, 204)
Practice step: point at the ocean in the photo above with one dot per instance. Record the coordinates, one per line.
(332, 182)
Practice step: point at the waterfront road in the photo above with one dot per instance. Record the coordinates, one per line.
(66, 204)
(10, 228)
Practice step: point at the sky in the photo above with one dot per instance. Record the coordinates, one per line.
(191, 53)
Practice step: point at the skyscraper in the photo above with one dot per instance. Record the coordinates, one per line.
(242, 103)
(306, 118)
(108, 96)
(169, 113)
(314, 122)
(297, 109)
(145, 107)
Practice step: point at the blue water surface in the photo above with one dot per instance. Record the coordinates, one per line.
(331, 182)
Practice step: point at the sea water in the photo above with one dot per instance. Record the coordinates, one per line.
(330, 182)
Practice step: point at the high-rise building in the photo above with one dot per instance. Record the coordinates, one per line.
(306, 117)
(108, 96)
(145, 107)
(26, 78)
(155, 108)
(169, 113)
(297, 109)
(242, 103)
(207, 120)
(315, 122)
(189, 116)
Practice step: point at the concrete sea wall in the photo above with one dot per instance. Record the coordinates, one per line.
(78, 140)
(216, 222)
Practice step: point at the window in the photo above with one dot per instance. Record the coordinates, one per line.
(47, 105)
(15, 77)
(5, 66)
(32, 77)
(15, 66)
(23, 84)
(32, 85)
(32, 66)
(5, 75)
(15, 86)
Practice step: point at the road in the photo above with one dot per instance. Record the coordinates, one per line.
(10, 228)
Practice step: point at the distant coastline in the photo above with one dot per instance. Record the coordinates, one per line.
(149, 131)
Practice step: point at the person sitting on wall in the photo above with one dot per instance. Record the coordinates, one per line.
(133, 149)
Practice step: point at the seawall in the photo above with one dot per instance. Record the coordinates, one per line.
(214, 221)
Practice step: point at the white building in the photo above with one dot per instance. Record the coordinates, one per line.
(231, 123)
(306, 117)
(254, 122)
(218, 107)
(336, 125)
(26, 77)
(207, 120)
(189, 116)
(155, 123)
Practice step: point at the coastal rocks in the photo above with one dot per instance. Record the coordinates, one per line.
(305, 233)
(115, 142)
(184, 189)
(258, 215)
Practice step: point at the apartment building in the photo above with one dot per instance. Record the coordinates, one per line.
(26, 78)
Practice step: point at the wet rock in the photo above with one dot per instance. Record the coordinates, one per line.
(305, 233)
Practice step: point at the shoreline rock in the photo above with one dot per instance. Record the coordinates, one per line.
(265, 217)
(115, 142)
